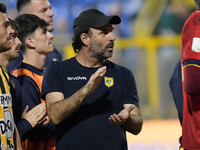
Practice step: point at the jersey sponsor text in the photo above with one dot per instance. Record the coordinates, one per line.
(5, 100)
(76, 78)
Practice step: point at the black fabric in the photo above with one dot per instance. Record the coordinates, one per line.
(93, 18)
(89, 128)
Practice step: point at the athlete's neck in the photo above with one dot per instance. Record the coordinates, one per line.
(35, 59)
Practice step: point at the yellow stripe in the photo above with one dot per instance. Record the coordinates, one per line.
(191, 65)
(4, 140)
(5, 83)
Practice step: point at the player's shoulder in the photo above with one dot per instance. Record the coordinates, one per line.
(60, 64)
(116, 67)
(12, 77)
(14, 82)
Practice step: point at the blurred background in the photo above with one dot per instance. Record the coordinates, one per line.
(148, 43)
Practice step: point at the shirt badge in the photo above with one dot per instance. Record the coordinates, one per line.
(109, 81)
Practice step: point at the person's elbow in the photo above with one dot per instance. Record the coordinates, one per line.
(138, 127)
(54, 119)
(134, 127)
(53, 116)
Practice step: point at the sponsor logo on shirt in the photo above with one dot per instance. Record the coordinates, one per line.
(5, 100)
(7, 147)
(109, 81)
(76, 78)
(8, 124)
(196, 44)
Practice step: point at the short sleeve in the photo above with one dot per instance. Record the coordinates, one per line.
(129, 93)
(52, 79)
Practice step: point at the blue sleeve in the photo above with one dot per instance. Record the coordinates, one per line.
(52, 79)
(15, 62)
(130, 94)
(30, 94)
(23, 126)
(16, 98)
(175, 84)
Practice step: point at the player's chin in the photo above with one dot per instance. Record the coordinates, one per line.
(50, 48)
(14, 57)
(109, 54)
(50, 27)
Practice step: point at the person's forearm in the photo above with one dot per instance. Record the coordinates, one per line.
(41, 133)
(18, 145)
(60, 110)
(23, 126)
(133, 124)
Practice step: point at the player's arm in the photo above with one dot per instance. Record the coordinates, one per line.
(191, 76)
(129, 118)
(34, 115)
(30, 95)
(59, 108)
(18, 145)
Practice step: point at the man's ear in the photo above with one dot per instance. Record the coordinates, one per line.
(30, 42)
(85, 38)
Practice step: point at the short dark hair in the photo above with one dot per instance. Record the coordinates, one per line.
(28, 24)
(77, 42)
(21, 3)
(14, 25)
(3, 8)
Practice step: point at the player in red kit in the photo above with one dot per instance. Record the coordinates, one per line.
(190, 60)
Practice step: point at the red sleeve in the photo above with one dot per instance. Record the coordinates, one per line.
(191, 82)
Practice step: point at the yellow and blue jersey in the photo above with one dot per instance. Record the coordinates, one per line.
(6, 112)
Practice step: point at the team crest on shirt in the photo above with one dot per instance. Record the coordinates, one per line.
(109, 81)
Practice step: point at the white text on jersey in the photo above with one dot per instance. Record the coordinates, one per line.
(5, 100)
(76, 78)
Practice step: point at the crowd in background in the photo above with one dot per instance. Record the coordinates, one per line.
(66, 11)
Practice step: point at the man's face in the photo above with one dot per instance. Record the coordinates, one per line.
(102, 42)
(13, 52)
(43, 41)
(42, 9)
(6, 33)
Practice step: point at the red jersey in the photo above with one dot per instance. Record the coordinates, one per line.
(190, 47)
(190, 59)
